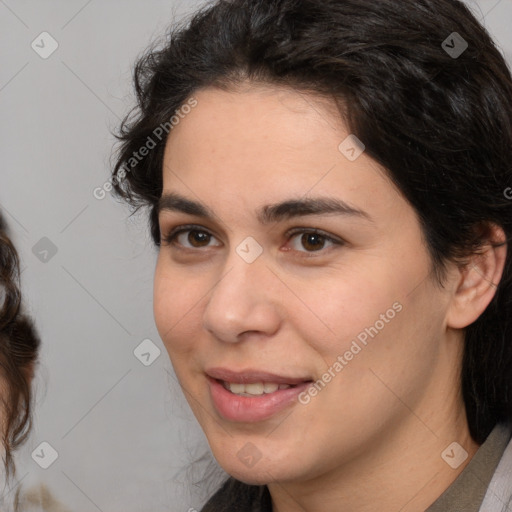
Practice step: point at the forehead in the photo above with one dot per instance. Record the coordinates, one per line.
(255, 117)
(257, 144)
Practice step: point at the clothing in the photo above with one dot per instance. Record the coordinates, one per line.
(499, 493)
(467, 492)
(485, 484)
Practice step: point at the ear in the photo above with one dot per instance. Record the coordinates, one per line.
(478, 278)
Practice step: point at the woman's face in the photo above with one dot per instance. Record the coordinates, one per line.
(270, 295)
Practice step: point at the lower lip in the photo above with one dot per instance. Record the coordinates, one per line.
(252, 409)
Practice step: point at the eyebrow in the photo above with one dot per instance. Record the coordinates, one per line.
(269, 213)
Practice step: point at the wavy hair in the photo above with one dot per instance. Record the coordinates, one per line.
(19, 343)
(439, 122)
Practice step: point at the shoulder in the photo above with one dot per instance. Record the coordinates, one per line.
(38, 499)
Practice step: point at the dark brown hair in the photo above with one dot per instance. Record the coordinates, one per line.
(439, 121)
(19, 345)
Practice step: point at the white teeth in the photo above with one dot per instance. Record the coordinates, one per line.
(254, 389)
(268, 387)
(237, 388)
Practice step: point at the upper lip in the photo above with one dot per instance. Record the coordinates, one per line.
(251, 376)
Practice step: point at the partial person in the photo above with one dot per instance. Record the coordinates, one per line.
(326, 184)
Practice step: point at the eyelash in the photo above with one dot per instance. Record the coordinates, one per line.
(170, 238)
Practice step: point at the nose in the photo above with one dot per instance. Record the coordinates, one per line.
(244, 300)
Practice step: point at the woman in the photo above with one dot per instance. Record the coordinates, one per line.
(326, 185)
(19, 349)
(18, 354)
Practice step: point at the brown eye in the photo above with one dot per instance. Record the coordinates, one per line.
(312, 241)
(198, 238)
(188, 237)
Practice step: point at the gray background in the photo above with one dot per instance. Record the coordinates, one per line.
(123, 432)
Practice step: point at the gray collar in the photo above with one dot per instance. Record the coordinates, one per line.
(467, 492)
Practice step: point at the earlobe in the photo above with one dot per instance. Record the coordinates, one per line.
(478, 280)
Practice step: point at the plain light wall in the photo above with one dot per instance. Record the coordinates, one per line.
(122, 430)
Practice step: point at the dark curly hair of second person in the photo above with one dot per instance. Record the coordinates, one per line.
(19, 344)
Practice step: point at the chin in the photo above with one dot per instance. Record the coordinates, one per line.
(258, 471)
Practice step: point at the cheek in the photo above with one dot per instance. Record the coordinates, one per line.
(374, 315)
(174, 306)
(384, 356)
(342, 306)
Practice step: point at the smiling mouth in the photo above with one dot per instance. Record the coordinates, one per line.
(254, 389)
(252, 396)
(254, 382)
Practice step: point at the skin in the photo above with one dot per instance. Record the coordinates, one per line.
(375, 433)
